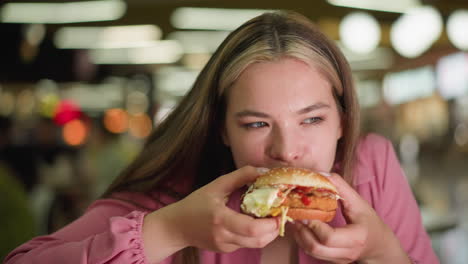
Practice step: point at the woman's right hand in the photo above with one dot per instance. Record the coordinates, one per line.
(203, 220)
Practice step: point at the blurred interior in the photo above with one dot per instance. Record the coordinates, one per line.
(83, 83)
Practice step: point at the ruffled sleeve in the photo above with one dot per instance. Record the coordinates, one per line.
(110, 232)
(127, 238)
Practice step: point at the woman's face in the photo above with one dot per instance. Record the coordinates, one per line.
(282, 113)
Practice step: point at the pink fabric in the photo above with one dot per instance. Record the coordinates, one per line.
(110, 231)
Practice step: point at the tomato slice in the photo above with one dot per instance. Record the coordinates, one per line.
(303, 189)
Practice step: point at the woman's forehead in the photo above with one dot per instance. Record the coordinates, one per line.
(284, 80)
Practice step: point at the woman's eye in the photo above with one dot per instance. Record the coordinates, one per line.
(255, 125)
(312, 120)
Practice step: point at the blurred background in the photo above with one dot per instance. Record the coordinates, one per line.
(83, 83)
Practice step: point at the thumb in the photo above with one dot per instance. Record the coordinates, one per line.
(230, 182)
(353, 204)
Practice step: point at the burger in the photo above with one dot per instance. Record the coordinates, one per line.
(293, 193)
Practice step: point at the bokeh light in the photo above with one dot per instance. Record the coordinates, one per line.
(461, 134)
(75, 132)
(415, 32)
(351, 28)
(47, 104)
(140, 125)
(7, 103)
(137, 102)
(66, 111)
(116, 120)
(25, 104)
(456, 29)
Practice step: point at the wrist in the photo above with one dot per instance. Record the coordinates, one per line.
(389, 251)
(161, 235)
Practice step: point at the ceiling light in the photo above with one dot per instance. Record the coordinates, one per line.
(94, 97)
(212, 18)
(396, 6)
(35, 33)
(351, 28)
(199, 41)
(402, 87)
(415, 32)
(107, 37)
(456, 29)
(164, 51)
(58, 13)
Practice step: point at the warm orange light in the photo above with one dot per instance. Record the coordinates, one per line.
(116, 120)
(74, 132)
(140, 125)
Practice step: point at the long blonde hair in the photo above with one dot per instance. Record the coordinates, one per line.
(188, 146)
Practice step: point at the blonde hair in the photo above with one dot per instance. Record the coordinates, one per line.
(188, 144)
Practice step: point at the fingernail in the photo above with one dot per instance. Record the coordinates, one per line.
(305, 222)
(326, 174)
(262, 170)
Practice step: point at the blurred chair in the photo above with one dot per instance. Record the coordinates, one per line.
(17, 221)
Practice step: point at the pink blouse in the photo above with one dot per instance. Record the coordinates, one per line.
(110, 230)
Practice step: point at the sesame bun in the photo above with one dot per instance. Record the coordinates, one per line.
(294, 176)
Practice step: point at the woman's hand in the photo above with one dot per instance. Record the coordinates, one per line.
(366, 238)
(203, 220)
(214, 226)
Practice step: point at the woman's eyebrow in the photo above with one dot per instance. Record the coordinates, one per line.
(247, 112)
(310, 108)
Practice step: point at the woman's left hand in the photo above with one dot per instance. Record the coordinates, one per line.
(366, 238)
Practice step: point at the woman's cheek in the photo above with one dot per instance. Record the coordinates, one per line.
(329, 156)
(248, 154)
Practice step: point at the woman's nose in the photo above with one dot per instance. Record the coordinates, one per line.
(285, 146)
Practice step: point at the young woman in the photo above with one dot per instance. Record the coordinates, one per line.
(277, 92)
